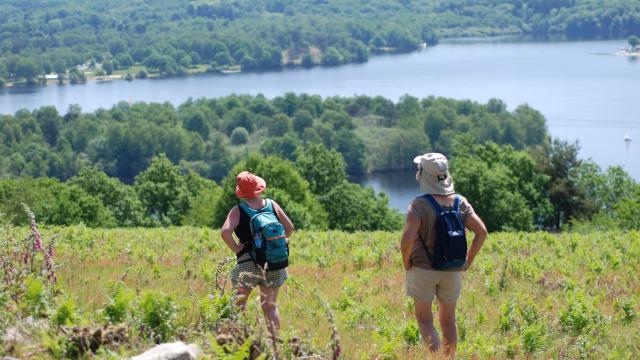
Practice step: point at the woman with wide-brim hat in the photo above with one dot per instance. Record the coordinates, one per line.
(423, 281)
(247, 274)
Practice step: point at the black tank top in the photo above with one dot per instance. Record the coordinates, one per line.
(243, 232)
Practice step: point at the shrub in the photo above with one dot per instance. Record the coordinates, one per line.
(214, 308)
(35, 297)
(119, 303)
(411, 334)
(626, 307)
(157, 314)
(575, 318)
(533, 337)
(65, 314)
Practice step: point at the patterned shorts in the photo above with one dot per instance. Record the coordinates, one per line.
(248, 275)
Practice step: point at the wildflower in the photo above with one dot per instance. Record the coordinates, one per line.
(49, 265)
(37, 239)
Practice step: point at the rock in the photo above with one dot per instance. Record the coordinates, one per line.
(170, 351)
(8, 358)
(23, 331)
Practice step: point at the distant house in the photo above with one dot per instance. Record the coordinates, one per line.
(51, 77)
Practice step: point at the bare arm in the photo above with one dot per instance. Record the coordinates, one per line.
(409, 237)
(284, 219)
(475, 224)
(232, 221)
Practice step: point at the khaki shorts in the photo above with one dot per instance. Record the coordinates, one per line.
(247, 274)
(425, 284)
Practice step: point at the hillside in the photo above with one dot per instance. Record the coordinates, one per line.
(529, 295)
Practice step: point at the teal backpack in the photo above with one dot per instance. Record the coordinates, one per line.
(270, 248)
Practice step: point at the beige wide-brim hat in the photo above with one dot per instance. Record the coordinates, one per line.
(434, 174)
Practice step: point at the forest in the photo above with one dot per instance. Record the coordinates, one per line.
(73, 39)
(155, 165)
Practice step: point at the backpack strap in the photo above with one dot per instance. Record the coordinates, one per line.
(268, 207)
(456, 203)
(438, 208)
(433, 203)
(247, 209)
(253, 212)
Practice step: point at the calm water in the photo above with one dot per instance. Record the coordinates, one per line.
(585, 94)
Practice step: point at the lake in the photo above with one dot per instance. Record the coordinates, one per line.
(585, 93)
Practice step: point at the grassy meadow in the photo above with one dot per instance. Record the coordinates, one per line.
(529, 295)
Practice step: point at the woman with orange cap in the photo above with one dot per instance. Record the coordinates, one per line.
(247, 274)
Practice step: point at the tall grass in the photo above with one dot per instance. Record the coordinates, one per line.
(528, 295)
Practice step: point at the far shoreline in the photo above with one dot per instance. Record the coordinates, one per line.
(198, 70)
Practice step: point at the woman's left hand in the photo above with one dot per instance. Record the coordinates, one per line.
(239, 248)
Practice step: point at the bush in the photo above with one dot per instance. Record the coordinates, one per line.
(65, 314)
(533, 337)
(411, 334)
(576, 318)
(239, 136)
(56, 203)
(35, 297)
(119, 303)
(157, 314)
(354, 208)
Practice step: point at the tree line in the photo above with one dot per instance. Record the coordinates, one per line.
(547, 187)
(209, 136)
(314, 190)
(503, 161)
(170, 37)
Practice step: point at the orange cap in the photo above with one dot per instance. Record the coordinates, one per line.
(249, 185)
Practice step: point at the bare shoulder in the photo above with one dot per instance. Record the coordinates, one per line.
(235, 211)
(275, 204)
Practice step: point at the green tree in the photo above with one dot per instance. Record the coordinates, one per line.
(322, 168)
(121, 200)
(504, 187)
(108, 67)
(559, 161)
(332, 57)
(633, 41)
(163, 191)
(283, 146)
(50, 123)
(302, 119)
(354, 208)
(239, 136)
(28, 69)
(279, 125)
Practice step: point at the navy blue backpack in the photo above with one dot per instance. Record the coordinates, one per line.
(450, 250)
